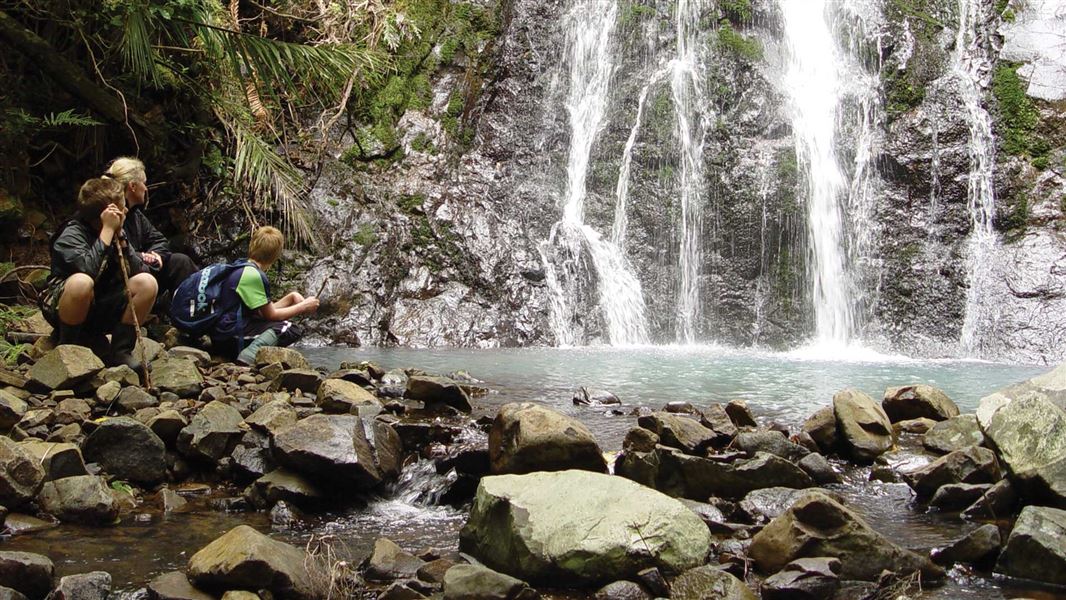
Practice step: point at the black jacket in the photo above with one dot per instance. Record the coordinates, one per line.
(76, 248)
(143, 236)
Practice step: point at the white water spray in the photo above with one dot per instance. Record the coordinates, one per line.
(814, 87)
(590, 27)
(971, 65)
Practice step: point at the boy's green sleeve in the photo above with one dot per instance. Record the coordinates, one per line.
(251, 289)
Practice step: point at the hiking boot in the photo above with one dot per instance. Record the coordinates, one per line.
(68, 334)
(267, 338)
(123, 341)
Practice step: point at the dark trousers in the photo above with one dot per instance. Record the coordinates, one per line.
(176, 269)
(288, 334)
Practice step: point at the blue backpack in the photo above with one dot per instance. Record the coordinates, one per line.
(198, 304)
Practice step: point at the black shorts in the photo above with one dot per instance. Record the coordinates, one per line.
(105, 311)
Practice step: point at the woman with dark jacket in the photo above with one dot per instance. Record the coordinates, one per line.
(169, 268)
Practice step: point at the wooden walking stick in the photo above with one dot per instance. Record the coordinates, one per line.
(120, 245)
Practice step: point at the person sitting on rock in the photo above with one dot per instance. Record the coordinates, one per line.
(257, 322)
(169, 268)
(86, 295)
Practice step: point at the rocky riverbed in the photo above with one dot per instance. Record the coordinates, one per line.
(702, 502)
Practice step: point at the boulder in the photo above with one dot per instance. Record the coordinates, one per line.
(592, 397)
(305, 380)
(82, 499)
(287, 357)
(971, 465)
(437, 390)
(72, 410)
(954, 434)
(622, 590)
(772, 442)
(804, 579)
(862, 424)
(709, 583)
(128, 450)
(243, 558)
(996, 503)
(979, 546)
(818, 526)
(475, 582)
(1035, 548)
(740, 414)
(58, 459)
(580, 527)
(344, 397)
(678, 474)
(27, 573)
(179, 376)
(819, 469)
(639, 439)
(332, 448)
(919, 426)
(918, 401)
(529, 437)
(356, 376)
(12, 409)
(769, 503)
(822, 427)
(84, 586)
(175, 586)
(281, 485)
(21, 475)
(198, 356)
(132, 399)
(678, 431)
(715, 418)
(272, 417)
(1028, 432)
(64, 367)
(167, 425)
(388, 562)
(957, 496)
(212, 433)
(122, 375)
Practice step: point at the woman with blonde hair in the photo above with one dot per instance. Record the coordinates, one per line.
(169, 268)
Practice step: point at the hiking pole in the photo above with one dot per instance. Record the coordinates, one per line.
(120, 245)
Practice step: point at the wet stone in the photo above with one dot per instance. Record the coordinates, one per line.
(979, 546)
(954, 434)
(957, 496)
(388, 562)
(175, 586)
(28, 573)
(622, 590)
(85, 586)
(996, 503)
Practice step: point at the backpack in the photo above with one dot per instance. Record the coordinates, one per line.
(197, 303)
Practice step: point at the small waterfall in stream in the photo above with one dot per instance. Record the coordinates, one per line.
(590, 27)
(972, 67)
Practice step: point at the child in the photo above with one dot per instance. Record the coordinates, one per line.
(257, 322)
(86, 295)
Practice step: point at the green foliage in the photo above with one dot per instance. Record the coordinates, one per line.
(902, 92)
(739, 45)
(1019, 119)
(122, 487)
(632, 13)
(737, 11)
(366, 235)
(1016, 220)
(10, 318)
(412, 203)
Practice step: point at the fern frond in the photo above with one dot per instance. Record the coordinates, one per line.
(138, 55)
(68, 118)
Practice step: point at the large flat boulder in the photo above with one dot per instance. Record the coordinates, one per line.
(245, 559)
(64, 367)
(21, 475)
(580, 527)
(709, 583)
(178, 376)
(529, 437)
(339, 396)
(438, 390)
(677, 474)
(918, 401)
(127, 449)
(862, 425)
(332, 448)
(1026, 425)
(1036, 548)
(679, 431)
(818, 526)
(475, 582)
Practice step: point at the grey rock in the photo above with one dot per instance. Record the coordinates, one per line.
(12, 409)
(593, 397)
(678, 431)
(329, 447)
(179, 376)
(175, 586)
(344, 397)
(740, 414)
(678, 474)
(305, 380)
(198, 356)
(918, 401)
(529, 437)
(131, 399)
(803, 579)
(72, 410)
(127, 450)
(167, 425)
(971, 465)
(1034, 549)
(822, 427)
(954, 434)
(709, 583)
(21, 475)
(622, 590)
(273, 417)
(64, 367)
(82, 499)
(772, 442)
(388, 561)
(819, 469)
(863, 425)
(957, 496)
(281, 485)
(28, 573)
(212, 433)
(84, 586)
(58, 459)
(287, 357)
(438, 390)
(997, 503)
(978, 546)
(475, 582)
(243, 558)
(919, 426)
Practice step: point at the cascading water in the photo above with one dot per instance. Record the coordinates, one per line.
(814, 87)
(590, 27)
(686, 89)
(971, 66)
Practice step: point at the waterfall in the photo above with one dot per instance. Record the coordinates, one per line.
(590, 27)
(971, 65)
(686, 90)
(813, 85)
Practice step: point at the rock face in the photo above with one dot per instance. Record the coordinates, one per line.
(1034, 548)
(82, 499)
(21, 474)
(528, 437)
(580, 527)
(917, 401)
(817, 525)
(64, 367)
(243, 558)
(862, 424)
(127, 450)
(1026, 424)
(333, 448)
